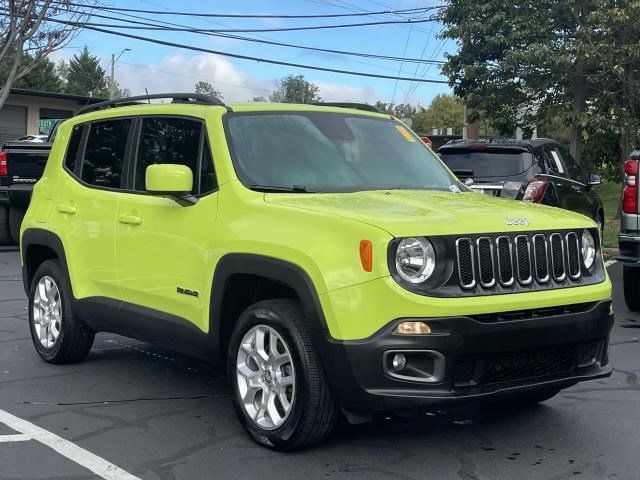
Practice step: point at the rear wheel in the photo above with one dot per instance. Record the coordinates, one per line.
(5, 235)
(631, 281)
(57, 334)
(280, 392)
(16, 214)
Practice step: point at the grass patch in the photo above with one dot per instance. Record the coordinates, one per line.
(609, 193)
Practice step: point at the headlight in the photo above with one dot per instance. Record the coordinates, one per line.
(415, 259)
(588, 249)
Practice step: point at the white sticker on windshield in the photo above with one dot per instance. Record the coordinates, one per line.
(556, 158)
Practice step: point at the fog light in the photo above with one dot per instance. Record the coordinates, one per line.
(399, 362)
(412, 328)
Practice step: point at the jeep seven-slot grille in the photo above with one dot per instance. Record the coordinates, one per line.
(506, 260)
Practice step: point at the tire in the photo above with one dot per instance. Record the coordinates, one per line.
(631, 282)
(5, 234)
(532, 398)
(16, 214)
(74, 339)
(313, 413)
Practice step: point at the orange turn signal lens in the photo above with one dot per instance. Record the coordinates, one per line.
(366, 255)
(412, 328)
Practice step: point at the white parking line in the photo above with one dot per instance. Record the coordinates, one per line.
(29, 431)
(20, 437)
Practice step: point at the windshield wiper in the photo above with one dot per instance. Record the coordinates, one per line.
(276, 188)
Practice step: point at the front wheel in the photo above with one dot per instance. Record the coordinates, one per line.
(280, 392)
(631, 283)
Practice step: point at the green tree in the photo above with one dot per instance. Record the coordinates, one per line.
(43, 76)
(86, 76)
(25, 28)
(295, 89)
(525, 62)
(443, 112)
(207, 88)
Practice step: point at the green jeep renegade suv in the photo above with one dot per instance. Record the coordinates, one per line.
(325, 253)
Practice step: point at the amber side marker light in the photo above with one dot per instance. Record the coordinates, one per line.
(412, 328)
(366, 255)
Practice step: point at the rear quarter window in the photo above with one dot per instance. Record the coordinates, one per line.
(71, 156)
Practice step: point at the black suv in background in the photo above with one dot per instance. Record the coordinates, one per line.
(539, 170)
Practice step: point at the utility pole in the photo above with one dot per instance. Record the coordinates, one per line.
(112, 79)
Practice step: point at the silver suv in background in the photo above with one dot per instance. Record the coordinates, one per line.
(629, 240)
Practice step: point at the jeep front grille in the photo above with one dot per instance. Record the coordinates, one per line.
(486, 262)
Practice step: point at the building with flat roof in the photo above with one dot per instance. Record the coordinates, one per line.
(29, 112)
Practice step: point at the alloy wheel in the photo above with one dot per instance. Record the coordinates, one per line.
(266, 377)
(47, 312)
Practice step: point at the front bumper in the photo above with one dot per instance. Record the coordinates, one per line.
(485, 358)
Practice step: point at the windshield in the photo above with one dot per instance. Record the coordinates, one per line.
(330, 152)
(492, 165)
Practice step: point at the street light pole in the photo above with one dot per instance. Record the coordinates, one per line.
(114, 59)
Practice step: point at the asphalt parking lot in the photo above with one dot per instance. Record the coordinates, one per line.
(135, 411)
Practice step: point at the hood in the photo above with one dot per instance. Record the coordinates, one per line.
(427, 212)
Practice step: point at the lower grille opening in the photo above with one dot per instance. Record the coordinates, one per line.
(526, 365)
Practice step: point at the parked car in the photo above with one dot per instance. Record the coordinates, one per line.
(539, 171)
(324, 252)
(629, 239)
(21, 165)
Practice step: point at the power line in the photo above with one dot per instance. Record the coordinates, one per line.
(273, 42)
(246, 30)
(236, 55)
(405, 11)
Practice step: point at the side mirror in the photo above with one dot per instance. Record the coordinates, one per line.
(593, 180)
(170, 180)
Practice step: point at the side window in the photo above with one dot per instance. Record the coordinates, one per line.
(104, 154)
(208, 181)
(168, 140)
(554, 159)
(571, 166)
(70, 158)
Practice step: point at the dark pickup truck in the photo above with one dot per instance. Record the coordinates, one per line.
(21, 165)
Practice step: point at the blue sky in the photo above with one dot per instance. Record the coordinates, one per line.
(161, 68)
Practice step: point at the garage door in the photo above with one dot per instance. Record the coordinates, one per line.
(13, 123)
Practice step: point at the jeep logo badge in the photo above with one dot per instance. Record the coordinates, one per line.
(518, 221)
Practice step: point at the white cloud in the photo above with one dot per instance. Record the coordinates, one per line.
(180, 73)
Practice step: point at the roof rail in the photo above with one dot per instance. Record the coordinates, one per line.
(358, 106)
(175, 98)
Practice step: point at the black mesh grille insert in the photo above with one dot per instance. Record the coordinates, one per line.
(540, 256)
(557, 256)
(505, 265)
(573, 254)
(530, 364)
(524, 262)
(485, 261)
(463, 372)
(465, 263)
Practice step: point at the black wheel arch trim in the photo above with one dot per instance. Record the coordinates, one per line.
(45, 238)
(270, 268)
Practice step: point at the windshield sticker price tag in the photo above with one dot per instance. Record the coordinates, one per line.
(405, 133)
